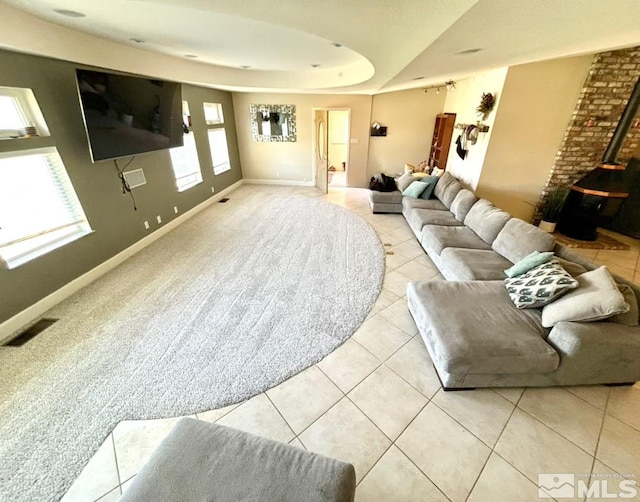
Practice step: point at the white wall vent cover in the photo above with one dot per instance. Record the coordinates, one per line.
(135, 178)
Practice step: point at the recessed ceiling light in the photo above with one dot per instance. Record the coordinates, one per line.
(336, 44)
(245, 67)
(190, 56)
(468, 51)
(315, 65)
(137, 40)
(417, 78)
(70, 13)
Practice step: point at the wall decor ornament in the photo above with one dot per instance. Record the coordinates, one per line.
(487, 102)
(273, 123)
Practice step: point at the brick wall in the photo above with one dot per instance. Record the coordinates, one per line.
(604, 95)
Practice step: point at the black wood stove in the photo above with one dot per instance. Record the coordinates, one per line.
(595, 200)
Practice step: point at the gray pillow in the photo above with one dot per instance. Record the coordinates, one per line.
(450, 193)
(405, 180)
(445, 180)
(540, 285)
(486, 220)
(596, 298)
(629, 318)
(518, 239)
(462, 203)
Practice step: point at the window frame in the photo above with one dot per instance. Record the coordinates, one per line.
(69, 199)
(190, 151)
(214, 127)
(28, 106)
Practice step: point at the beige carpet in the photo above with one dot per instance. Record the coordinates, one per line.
(234, 301)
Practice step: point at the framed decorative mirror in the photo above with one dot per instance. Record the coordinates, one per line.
(273, 123)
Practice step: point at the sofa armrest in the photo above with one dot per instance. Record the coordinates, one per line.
(604, 352)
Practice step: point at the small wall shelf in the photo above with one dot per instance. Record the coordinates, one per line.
(380, 131)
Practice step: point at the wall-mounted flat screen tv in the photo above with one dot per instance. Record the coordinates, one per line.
(127, 115)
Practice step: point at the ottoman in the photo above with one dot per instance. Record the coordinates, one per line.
(385, 202)
(203, 462)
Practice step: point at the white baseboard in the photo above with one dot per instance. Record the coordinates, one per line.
(280, 182)
(28, 315)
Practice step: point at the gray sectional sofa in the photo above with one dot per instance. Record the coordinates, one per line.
(474, 333)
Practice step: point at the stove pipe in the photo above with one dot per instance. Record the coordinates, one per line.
(595, 198)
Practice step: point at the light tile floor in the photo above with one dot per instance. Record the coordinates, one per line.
(376, 402)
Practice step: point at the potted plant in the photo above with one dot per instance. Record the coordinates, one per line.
(551, 212)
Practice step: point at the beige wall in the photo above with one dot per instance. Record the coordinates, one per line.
(463, 101)
(293, 161)
(338, 138)
(410, 117)
(535, 107)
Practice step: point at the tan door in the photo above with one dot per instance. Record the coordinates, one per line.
(320, 147)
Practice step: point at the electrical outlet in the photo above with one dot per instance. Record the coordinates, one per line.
(146, 225)
(175, 209)
(159, 219)
(354, 141)
(213, 190)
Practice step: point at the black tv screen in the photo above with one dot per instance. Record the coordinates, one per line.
(126, 115)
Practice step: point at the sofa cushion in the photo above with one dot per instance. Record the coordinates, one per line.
(409, 203)
(459, 264)
(450, 193)
(597, 297)
(436, 238)
(445, 180)
(418, 218)
(486, 220)
(472, 327)
(405, 180)
(574, 269)
(433, 181)
(629, 318)
(462, 203)
(540, 285)
(200, 461)
(518, 239)
(394, 197)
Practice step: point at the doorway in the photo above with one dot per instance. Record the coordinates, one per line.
(330, 147)
(338, 147)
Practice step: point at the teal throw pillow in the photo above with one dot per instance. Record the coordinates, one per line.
(432, 180)
(528, 262)
(415, 189)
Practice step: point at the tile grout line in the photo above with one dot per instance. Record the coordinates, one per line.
(492, 448)
(410, 459)
(595, 451)
(115, 456)
(556, 432)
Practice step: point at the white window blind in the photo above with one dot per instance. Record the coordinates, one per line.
(219, 150)
(39, 209)
(186, 166)
(213, 113)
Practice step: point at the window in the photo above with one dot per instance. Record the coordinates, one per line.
(184, 159)
(20, 116)
(39, 209)
(219, 150)
(213, 113)
(217, 138)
